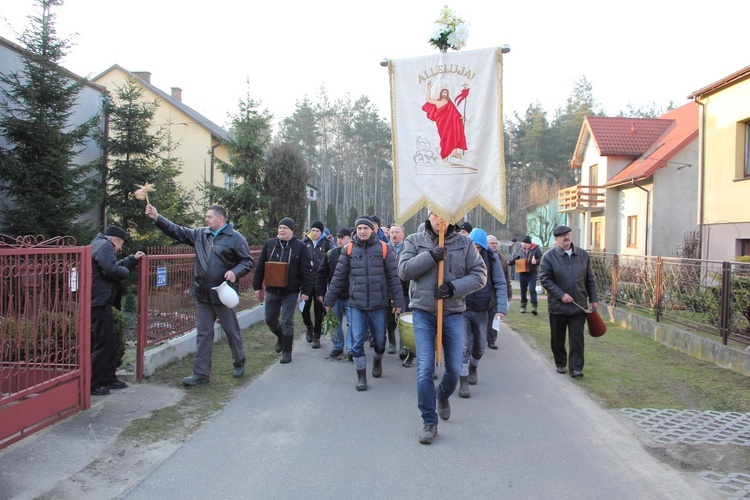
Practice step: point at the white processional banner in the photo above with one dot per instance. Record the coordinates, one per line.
(448, 134)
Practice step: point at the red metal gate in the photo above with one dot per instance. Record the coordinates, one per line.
(45, 332)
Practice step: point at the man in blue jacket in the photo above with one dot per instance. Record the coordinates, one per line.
(106, 274)
(222, 255)
(477, 305)
(368, 269)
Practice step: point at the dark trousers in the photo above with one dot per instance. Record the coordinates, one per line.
(319, 311)
(491, 333)
(392, 320)
(103, 346)
(528, 282)
(559, 323)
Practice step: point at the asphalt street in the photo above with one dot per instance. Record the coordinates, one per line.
(302, 431)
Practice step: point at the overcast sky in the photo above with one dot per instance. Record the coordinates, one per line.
(637, 52)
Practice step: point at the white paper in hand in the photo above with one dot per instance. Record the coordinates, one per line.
(301, 304)
(496, 323)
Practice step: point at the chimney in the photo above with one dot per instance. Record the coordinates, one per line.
(177, 93)
(143, 75)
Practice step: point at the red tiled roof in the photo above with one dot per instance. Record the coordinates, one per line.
(618, 136)
(682, 127)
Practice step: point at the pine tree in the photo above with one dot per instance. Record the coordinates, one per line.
(37, 169)
(243, 198)
(285, 185)
(139, 154)
(331, 219)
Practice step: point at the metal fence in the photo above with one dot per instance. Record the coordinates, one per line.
(703, 295)
(165, 307)
(45, 325)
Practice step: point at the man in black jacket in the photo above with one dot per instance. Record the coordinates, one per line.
(281, 298)
(532, 255)
(566, 273)
(322, 279)
(106, 274)
(222, 255)
(318, 245)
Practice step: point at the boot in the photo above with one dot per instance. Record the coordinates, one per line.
(286, 348)
(278, 334)
(309, 334)
(316, 342)
(523, 308)
(463, 389)
(377, 365)
(472, 378)
(362, 380)
(533, 309)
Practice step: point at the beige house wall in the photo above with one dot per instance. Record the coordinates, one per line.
(725, 207)
(194, 140)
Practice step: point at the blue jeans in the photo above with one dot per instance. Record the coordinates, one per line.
(340, 308)
(527, 281)
(359, 321)
(425, 331)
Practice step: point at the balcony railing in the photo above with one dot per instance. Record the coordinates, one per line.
(580, 198)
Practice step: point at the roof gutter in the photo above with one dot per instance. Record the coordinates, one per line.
(701, 172)
(648, 210)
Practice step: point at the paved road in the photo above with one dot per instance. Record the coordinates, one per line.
(303, 431)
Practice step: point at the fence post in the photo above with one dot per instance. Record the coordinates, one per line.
(615, 277)
(658, 280)
(140, 344)
(726, 299)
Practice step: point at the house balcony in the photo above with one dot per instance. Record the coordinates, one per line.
(580, 199)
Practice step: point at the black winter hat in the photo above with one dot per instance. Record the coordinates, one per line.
(526, 239)
(288, 222)
(365, 219)
(345, 231)
(318, 225)
(466, 227)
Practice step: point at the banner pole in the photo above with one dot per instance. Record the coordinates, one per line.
(441, 266)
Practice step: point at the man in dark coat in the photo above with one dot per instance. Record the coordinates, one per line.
(106, 274)
(318, 245)
(222, 255)
(281, 299)
(532, 255)
(368, 269)
(566, 273)
(322, 279)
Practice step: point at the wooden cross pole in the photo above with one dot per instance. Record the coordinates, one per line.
(441, 267)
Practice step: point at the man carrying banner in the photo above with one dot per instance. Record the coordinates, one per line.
(466, 273)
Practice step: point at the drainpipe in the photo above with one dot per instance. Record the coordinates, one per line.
(211, 178)
(701, 175)
(648, 209)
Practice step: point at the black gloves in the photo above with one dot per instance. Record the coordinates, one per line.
(438, 253)
(444, 291)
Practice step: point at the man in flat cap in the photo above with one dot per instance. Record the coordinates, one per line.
(106, 274)
(566, 273)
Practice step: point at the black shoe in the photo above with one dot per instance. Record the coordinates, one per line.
(533, 310)
(362, 380)
(408, 362)
(428, 435)
(492, 345)
(100, 391)
(463, 389)
(576, 373)
(377, 366)
(117, 384)
(391, 348)
(560, 369)
(350, 355)
(336, 353)
(472, 374)
(403, 353)
(444, 409)
(316, 344)
(309, 335)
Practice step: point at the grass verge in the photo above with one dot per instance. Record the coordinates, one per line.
(625, 369)
(200, 403)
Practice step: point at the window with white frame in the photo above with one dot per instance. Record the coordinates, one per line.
(746, 170)
(632, 231)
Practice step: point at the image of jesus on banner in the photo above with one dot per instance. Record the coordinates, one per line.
(449, 121)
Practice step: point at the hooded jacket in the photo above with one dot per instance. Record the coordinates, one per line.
(372, 280)
(494, 292)
(463, 269)
(227, 251)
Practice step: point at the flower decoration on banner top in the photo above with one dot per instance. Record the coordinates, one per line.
(450, 31)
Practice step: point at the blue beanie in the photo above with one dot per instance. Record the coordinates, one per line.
(479, 237)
